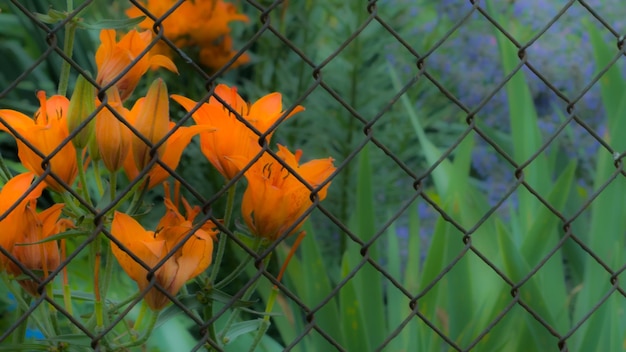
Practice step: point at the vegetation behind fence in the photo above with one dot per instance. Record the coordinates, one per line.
(312, 176)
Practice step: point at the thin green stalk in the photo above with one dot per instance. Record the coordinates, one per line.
(67, 299)
(138, 191)
(108, 273)
(19, 334)
(21, 303)
(113, 309)
(67, 293)
(142, 312)
(112, 184)
(265, 324)
(69, 203)
(98, 310)
(153, 319)
(240, 267)
(246, 296)
(221, 245)
(81, 176)
(96, 171)
(68, 48)
(208, 312)
(52, 312)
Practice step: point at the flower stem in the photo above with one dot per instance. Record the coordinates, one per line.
(246, 296)
(240, 267)
(23, 304)
(112, 185)
(52, 312)
(138, 191)
(108, 271)
(221, 245)
(20, 333)
(153, 319)
(142, 313)
(265, 324)
(97, 252)
(96, 171)
(67, 293)
(68, 48)
(69, 202)
(82, 178)
(208, 312)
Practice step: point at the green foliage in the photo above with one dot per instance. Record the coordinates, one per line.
(337, 278)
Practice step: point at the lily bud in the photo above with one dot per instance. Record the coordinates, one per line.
(152, 122)
(112, 136)
(81, 106)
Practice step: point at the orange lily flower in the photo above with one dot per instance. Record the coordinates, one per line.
(174, 147)
(39, 256)
(113, 57)
(149, 115)
(113, 138)
(196, 23)
(217, 55)
(152, 122)
(232, 138)
(152, 246)
(14, 223)
(275, 199)
(46, 131)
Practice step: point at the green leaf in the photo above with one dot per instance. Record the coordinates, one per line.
(25, 347)
(604, 329)
(525, 132)
(441, 173)
(60, 236)
(241, 328)
(367, 283)
(313, 291)
(353, 326)
(72, 339)
(113, 24)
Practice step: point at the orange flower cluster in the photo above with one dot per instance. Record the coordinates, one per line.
(202, 24)
(274, 198)
(23, 227)
(45, 132)
(113, 58)
(151, 247)
(280, 189)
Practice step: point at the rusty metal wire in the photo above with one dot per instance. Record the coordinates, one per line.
(368, 127)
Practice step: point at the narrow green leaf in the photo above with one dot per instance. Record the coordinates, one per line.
(414, 250)
(397, 303)
(71, 339)
(60, 236)
(606, 229)
(113, 24)
(367, 283)
(353, 327)
(25, 347)
(525, 132)
(442, 173)
(241, 328)
(532, 333)
(316, 287)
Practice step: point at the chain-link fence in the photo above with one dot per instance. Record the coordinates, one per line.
(475, 280)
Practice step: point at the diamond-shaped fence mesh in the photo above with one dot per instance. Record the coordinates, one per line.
(474, 199)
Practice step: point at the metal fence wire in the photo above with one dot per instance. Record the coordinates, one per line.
(368, 125)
